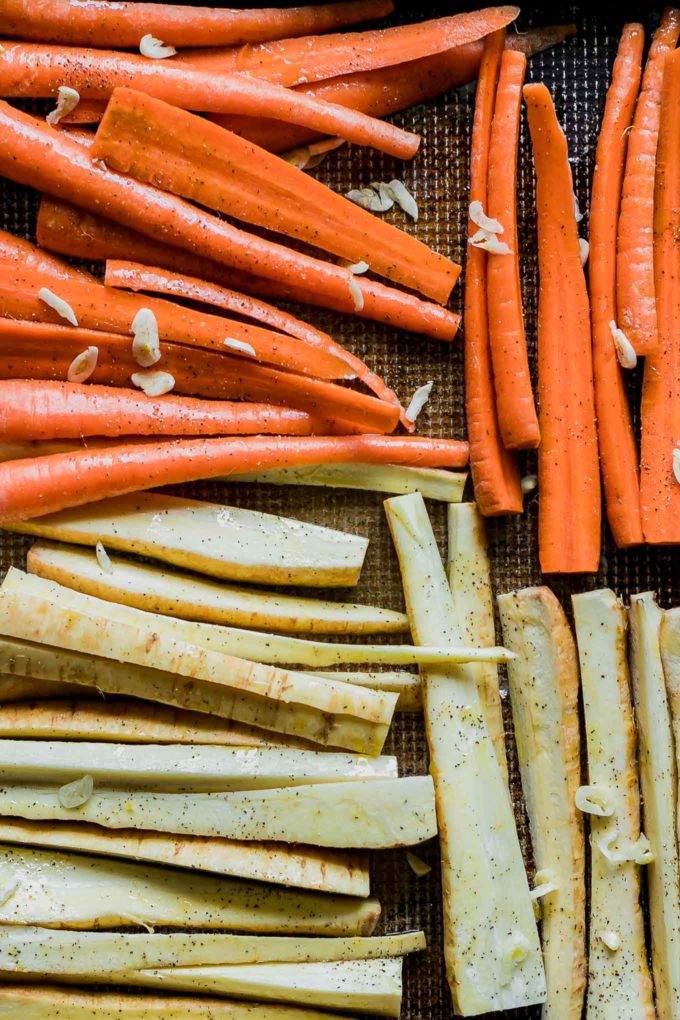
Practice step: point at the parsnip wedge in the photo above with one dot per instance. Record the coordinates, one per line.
(406, 685)
(22, 689)
(174, 767)
(364, 814)
(491, 946)
(619, 983)
(469, 574)
(220, 541)
(304, 867)
(544, 682)
(61, 890)
(669, 637)
(433, 483)
(172, 593)
(31, 950)
(658, 777)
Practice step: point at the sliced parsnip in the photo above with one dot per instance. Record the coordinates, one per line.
(172, 593)
(491, 946)
(544, 682)
(23, 689)
(305, 867)
(364, 814)
(62, 890)
(469, 574)
(191, 767)
(619, 983)
(220, 541)
(406, 685)
(433, 483)
(658, 777)
(670, 655)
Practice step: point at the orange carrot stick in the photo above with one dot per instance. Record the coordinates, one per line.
(189, 156)
(660, 485)
(618, 449)
(30, 70)
(635, 297)
(568, 470)
(70, 231)
(517, 418)
(494, 470)
(16, 252)
(121, 25)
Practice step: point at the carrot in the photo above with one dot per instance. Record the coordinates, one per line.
(660, 485)
(70, 231)
(42, 485)
(32, 410)
(122, 25)
(517, 418)
(568, 470)
(189, 156)
(31, 70)
(494, 470)
(14, 251)
(618, 449)
(635, 297)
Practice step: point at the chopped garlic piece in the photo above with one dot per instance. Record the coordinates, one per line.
(676, 464)
(417, 865)
(611, 939)
(528, 484)
(60, 306)
(583, 250)
(625, 351)
(595, 800)
(67, 100)
(241, 346)
(358, 268)
(146, 348)
(357, 295)
(639, 852)
(515, 952)
(380, 197)
(545, 884)
(155, 383)
(77, 793)
(403, 198)
(480, 219)
(487, 241)
(154, 48)
(367, 198)
(103, 558)
(309, 157)
(83, 365)
(139, 921)
(578, 215)
(418, 400)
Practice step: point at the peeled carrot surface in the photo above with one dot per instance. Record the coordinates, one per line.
(660, 489)
(189, 156)
(14, 251)
(516, 411)
(618, 449)
(118, 25)
(568, 469)
(494, 469)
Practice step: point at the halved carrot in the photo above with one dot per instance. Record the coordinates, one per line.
(14, 251)
(494, 469)
(121, 25)
(568, 469)
(659, 483)
(635, 297)
(517, 418)
(189, 156)
(618, 449)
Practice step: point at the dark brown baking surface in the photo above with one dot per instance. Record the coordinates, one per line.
(577, 73)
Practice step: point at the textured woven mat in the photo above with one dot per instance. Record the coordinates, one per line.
(577, 73)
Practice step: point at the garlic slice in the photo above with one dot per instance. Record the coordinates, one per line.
(418, 400)
(153, 383)
(583, 250)
(419, 867)
(357, 295)
(241, 346)
(611, 939)
(487, 241)
(480, 219)
(67, 100)
(595, 800)
(625, 351)
(83, 365)
(528, 484)
(77, 793)
(154, 48)
(58, 305)
(103, 558)
(146, 348)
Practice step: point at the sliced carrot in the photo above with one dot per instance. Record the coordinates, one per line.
(635, 296)
(494, 470)
(618, 449)
(14, 251)
(568, 469)
(121, 25)
(189, 156)
(660, 484)
(517, 417)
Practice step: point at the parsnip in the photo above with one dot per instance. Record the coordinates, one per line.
(220, 541)
(469, 575)
(544, 682)
(669, 637)
(406, 685)
(61, 890)
(619, 983)
(172, 593)
(491, 946)
(433, 483)
(658, 778)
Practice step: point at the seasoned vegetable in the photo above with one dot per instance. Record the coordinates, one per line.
(433, 483)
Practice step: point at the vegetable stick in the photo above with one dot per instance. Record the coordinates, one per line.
(14, 251)
(660, 410)
(494, 471)
(198, 160)
(544, 682)
(62, 890)
(122, 25)
(670, 654)
(568, 468)
(619, 984)
(491, 946)
(202, 599)
(635, 292)
(659, 784)
(512, 382)
(406, 685)
(618, 449)
(469, 575)
(433, 483)
(19, 451)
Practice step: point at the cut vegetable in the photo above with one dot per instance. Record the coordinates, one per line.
(544, 682)
(431, 482)
(619, 984)
(406, 685)
(491, 946)
(670, 654)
